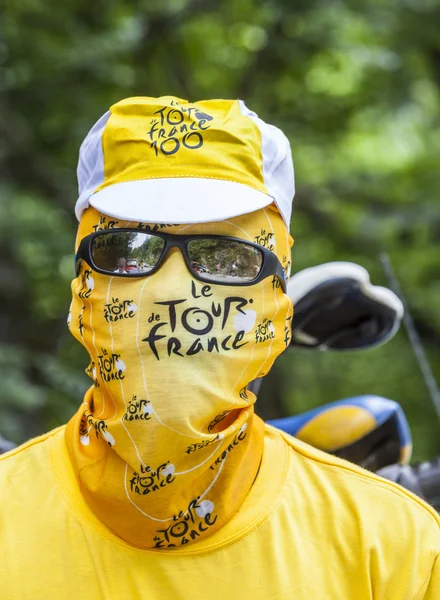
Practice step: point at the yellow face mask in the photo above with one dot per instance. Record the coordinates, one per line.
(166, 444)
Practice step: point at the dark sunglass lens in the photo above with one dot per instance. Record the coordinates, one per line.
(125, 253)
(225, 260)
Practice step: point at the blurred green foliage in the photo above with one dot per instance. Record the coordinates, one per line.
(354, 84)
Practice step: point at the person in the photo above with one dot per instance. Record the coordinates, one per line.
(165, 483)
(122, 266)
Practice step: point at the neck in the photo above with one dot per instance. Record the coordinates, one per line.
(155, 486)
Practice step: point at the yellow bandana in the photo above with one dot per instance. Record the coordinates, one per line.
(166, 444)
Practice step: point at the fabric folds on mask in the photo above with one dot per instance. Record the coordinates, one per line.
(166, 444)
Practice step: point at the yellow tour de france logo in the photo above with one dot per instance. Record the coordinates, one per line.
(177, 126)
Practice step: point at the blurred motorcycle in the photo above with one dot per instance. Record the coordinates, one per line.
(337, 308)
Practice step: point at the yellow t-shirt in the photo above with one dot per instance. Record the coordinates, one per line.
(313, 527)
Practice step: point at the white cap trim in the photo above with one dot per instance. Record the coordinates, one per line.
(90, 171)
(178, 200)
(278, 171)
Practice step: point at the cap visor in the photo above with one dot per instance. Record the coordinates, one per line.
(178, 200)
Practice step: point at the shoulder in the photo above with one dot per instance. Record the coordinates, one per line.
(336, 482)
(361, 517)
(31, 456)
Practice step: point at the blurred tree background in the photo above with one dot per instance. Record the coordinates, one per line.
(355, 84)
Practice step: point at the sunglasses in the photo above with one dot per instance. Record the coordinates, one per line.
(215, 259)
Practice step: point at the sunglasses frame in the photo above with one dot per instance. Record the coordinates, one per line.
(271, 266)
